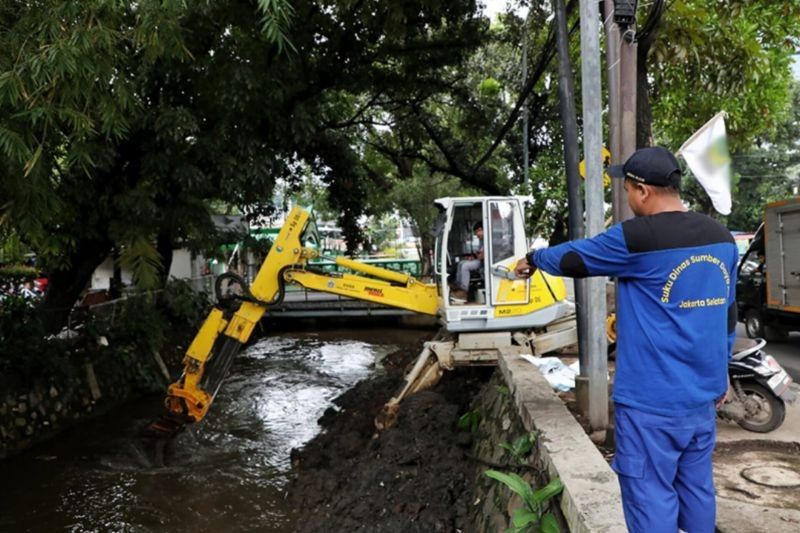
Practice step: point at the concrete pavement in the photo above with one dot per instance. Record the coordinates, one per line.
(591, 500)
(747, 507)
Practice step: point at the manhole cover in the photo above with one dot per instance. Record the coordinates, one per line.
(759, 472)
(772, 476)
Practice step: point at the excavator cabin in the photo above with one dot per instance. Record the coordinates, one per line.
(492, 298)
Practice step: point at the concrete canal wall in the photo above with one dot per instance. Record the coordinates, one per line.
(591, 500)
(494, 503)
(518, 401)
(31, 412)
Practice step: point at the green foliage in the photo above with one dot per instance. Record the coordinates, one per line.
(278, 16)
(139, 323)
(26, 353)
(121, 123)
(521, 446)
(12, 249)
(533, 516)
(182, 305)
(765, 172)
(381, 232)
(489, 88)
(143, 261)
(470, 421)
(711, 56)
(20, 272)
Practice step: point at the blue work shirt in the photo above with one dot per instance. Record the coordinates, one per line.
(676, 307)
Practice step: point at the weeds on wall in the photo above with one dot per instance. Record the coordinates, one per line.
(470, 421)
(521, 447)
(533, 516)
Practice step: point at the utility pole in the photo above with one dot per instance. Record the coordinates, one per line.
(569, 126)
(621, 49)
(621, 72)
(595, 372)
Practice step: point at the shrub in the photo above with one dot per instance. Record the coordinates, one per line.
(182, 305)
(18, 273)
(25, 350)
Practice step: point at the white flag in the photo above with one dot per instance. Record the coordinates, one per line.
(706, 153)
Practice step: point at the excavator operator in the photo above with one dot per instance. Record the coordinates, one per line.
(466, 267)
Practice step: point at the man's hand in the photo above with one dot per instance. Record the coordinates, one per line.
(721, 400)
(523, 270)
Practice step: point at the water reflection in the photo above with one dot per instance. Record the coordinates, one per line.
(227, 474)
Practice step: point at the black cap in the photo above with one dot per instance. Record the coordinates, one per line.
(653, 166)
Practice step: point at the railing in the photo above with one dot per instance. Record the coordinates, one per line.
(410, 266)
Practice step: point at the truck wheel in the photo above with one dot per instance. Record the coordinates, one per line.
(754, 324)
(764, 411)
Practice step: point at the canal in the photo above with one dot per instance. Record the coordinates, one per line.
(229, 473)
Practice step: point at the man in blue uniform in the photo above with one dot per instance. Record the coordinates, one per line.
(676, 319)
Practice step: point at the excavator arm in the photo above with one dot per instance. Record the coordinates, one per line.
(225, 331)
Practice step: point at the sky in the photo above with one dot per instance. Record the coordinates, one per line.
(493, 7)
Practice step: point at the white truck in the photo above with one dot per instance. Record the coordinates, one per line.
(768, 286)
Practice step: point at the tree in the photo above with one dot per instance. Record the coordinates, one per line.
(67, 97)
(120, 122)
(706, 56)
(468, 137)
(768, 170)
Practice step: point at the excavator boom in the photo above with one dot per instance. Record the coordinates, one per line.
(226, 330)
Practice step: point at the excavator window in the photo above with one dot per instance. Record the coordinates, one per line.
(462, 243)
(501, 219)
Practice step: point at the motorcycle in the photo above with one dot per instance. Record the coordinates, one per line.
(760, 388)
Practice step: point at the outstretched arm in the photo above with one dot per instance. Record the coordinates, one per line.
(603, 255)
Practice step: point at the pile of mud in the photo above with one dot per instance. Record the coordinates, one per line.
(415, 476)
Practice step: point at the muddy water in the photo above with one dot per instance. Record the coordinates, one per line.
(226, 474)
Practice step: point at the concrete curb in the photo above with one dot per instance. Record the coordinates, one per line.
(591, 500)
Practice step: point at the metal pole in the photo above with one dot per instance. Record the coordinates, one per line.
(525, 162)
(596, 369)
(569, 125)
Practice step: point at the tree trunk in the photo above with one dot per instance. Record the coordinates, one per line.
(426, 252)
(164, 248)
(115, 291)
(644, 112)
(65, 286)
(559, 234)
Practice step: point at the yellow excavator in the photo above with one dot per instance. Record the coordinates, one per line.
(501, 313)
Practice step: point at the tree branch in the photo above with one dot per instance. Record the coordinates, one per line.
(544, 61)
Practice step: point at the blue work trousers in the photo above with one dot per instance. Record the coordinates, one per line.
(665, 470)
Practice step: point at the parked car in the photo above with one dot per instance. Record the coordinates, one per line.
(768, 282)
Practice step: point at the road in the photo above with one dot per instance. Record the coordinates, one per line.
(787, 353)
(744, 506)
